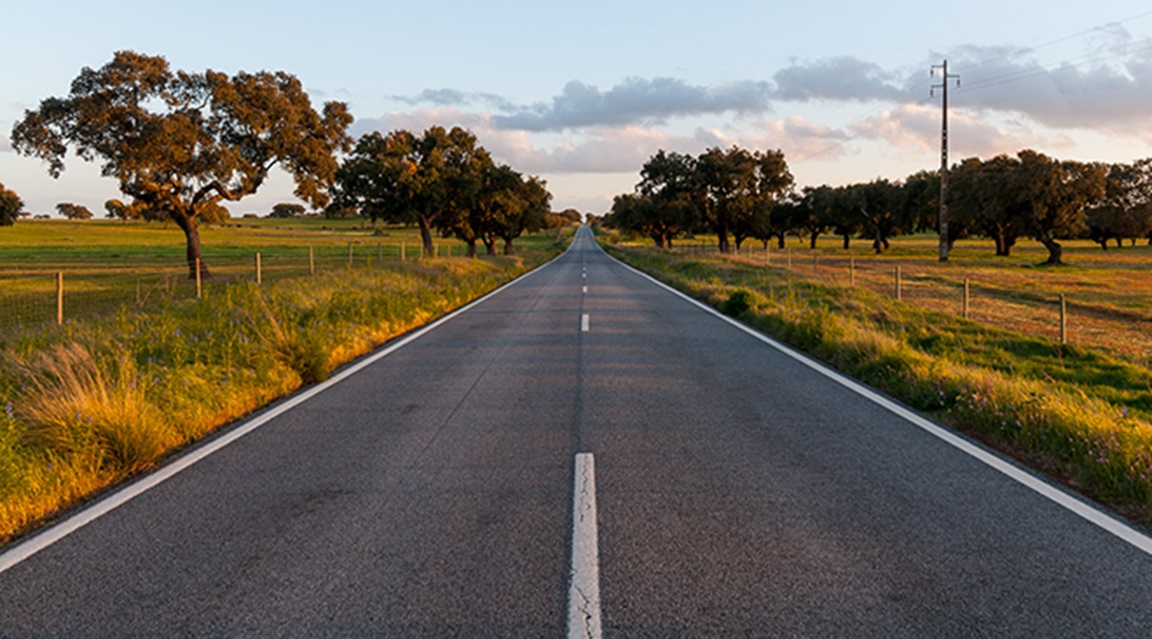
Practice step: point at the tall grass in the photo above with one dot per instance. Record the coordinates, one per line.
(1082, 416)
(90, 403)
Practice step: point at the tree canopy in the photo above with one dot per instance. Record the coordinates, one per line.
(180, 143)
(73, 211)
(441, 181)
(10, 206)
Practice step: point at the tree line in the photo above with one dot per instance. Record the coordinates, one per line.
(1003, 199)
(181, 144)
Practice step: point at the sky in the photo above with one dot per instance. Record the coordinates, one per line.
(582, 94)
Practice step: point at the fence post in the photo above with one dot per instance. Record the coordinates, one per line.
(816, 265)
(199, 280)
(1063, 319)
(379, 254)
(259, 275)
(767, 255)
(403, 256)
(789, 251)
(967, 298)
(311, 260)
(899, 293)
(349, 254)
(59, 297)
(851, 271)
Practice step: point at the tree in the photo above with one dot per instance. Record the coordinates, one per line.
(73, 211)
(427, 180)
(11, 206)
(1125, 211)
(663, 206)
(287, 209)
(878, 205)
(519, 209)
(1055, 195)
(983, 200)
(734, 185)
(180, 143)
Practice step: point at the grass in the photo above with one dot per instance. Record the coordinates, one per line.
(99, 399)
(1082, 413)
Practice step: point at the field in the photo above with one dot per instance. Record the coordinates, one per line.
(142, 365)
(109, 264)
(1108, 293)
(1080, 411)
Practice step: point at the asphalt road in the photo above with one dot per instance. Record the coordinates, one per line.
(739, 492)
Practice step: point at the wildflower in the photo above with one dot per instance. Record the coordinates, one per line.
(9, 410)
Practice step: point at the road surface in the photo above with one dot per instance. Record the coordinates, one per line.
(583, 433)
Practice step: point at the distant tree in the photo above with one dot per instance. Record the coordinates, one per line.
(1055, 195)
(734, 184)
(11, 206)
(180, 143)
(878, 204)
(809, 213)
(522, 210)
(982, 199)
(117, 210)
(73, 211)
(1125, 211)
(286, 209)
(412, 179)
(572, 215)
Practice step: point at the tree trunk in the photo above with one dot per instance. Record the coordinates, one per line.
(426, 234)
(490, 246)
(1055, 251)
(192, 245)
(780, 241)
(508, 248)
(725, 247)
(847, 240)
(812, 242)
(471, 248)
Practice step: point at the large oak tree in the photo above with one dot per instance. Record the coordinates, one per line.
(180, 143)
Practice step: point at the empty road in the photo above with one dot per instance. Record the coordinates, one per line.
(584, 453)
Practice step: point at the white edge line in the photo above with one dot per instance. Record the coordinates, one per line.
(1067, 500)
(25, 548)
(584, 589)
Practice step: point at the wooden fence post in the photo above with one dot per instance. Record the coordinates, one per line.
(851, 271)
(899, 293)
(1063, 319)
(403, 255)
(199, 280)
(967, 298)
(789, 251)
(59, 298)
(259, 274)
(311, 260)
(816, 265)
(349, 254)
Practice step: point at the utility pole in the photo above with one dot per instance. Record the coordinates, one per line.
(944, 77)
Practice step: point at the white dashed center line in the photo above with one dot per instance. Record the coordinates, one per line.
(584, 591)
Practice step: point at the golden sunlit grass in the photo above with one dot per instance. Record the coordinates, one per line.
(1082, 411)
(92, 402)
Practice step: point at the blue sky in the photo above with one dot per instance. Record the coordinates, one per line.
(582, 93)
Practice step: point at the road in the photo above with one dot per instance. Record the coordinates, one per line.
(737, 491)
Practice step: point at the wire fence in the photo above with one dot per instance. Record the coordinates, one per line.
(1116, 321)
(47, 295)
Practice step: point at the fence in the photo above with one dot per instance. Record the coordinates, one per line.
(1070, 308)
(31, 298)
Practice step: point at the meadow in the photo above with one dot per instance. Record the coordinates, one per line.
(144, 367)
(1080, 411)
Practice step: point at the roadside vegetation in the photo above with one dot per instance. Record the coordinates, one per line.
(1081, 415)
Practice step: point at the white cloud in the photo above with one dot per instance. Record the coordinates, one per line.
(916, 128)
(840, 79)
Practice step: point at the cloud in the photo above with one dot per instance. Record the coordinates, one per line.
(916, 128)
(840, 79)
(5, 143)
(455, 97)
(636, 101)
(1106, 90)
